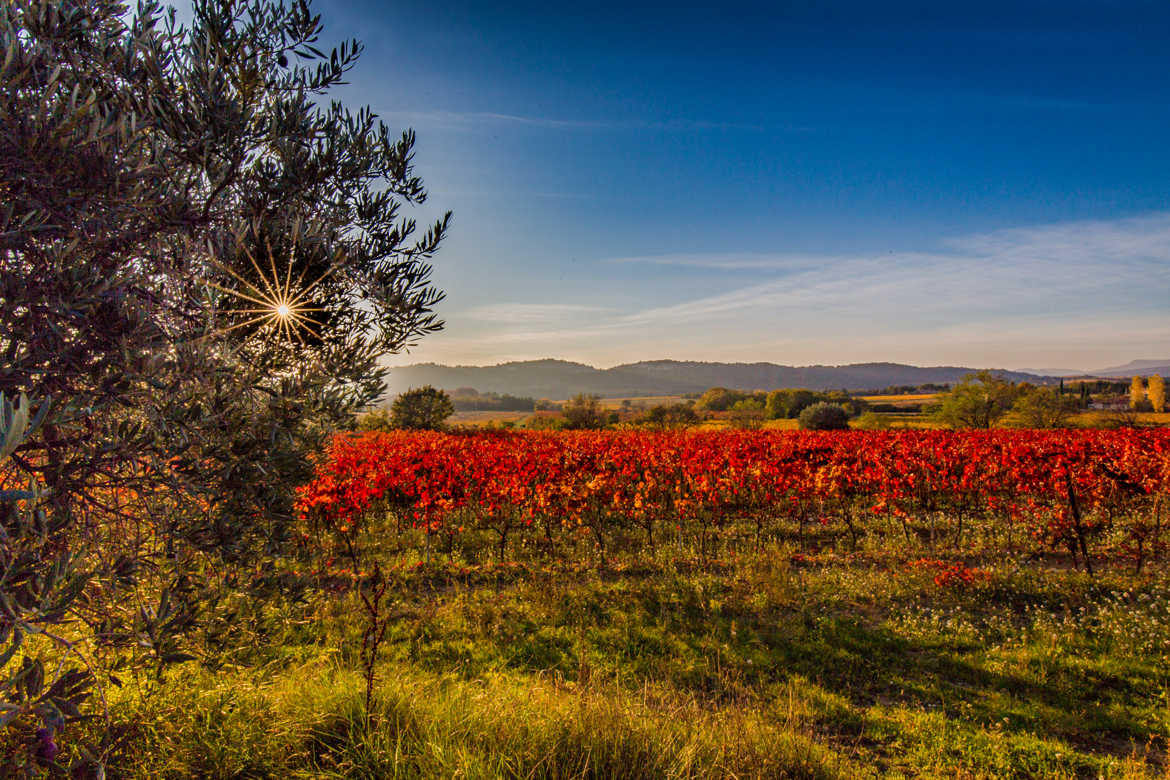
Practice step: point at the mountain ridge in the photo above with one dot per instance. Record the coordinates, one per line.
(554, 378)
(1143, 367)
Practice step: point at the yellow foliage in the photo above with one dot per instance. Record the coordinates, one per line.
(1156, 392)
(1137, 392)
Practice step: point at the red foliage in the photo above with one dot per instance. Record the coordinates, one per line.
(950, 574)
(591, 480)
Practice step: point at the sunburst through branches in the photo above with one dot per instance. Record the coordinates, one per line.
(281, 304)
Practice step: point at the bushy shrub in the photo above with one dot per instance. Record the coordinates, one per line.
(374, 420)
(872, 421)
(669, 416)
(583, 412)
(422, 409)
(824, 417)
(546, 422)
(747, 414)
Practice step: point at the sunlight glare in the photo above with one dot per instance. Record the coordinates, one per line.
(283, 312)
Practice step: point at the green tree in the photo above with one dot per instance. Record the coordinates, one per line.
(776, 404)
(663, 416)
(545, 422)
(824, 416)
(979, 401)
(719, 399)
(374, 420)
(747, 413)
(798, 401)
(1043, 407)
(583, 411)
(872, 421)
(422, 408)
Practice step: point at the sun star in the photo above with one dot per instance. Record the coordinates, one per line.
(282, 309)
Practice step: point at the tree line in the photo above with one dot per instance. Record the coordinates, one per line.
(984, 400)
(981, 400)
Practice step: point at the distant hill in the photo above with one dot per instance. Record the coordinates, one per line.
(1143, 367)
(1054, 371)
(557, 379)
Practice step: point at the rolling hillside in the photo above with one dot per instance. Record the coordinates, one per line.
(561, 379)
(1140, 367)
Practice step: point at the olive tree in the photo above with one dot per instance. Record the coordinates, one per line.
(202, 261)
(201, 258)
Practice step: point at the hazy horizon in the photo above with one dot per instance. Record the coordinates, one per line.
(1079, 295)
(1044, 370)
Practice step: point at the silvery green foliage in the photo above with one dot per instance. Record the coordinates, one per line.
(145, 167)
(17, 422)
(147, 171)
(43, 682)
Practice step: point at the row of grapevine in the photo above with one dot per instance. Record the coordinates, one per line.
(1088, 493)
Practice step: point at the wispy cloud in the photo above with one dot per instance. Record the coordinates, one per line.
(1053, 268)
(1082, 292)
(1103, 242)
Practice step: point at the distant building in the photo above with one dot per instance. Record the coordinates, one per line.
(1110, 406)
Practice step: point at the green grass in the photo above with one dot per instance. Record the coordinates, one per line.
(748, 668)
(311, 723)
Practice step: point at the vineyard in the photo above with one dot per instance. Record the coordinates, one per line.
(248, 530)
(1086, 497)
(980, 604)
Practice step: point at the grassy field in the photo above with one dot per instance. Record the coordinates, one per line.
(720, 423)
(910, 399)
(487, 417)
(771, 665)
(609, 404)
(1098, 418)
(640, 402)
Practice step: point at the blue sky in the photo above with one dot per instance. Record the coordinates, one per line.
(927, 182)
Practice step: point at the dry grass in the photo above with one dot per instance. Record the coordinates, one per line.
(905, 398)
(486, 417)
(310, 723)
(1101, 418)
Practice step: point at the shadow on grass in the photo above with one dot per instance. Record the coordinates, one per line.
(649, 629)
